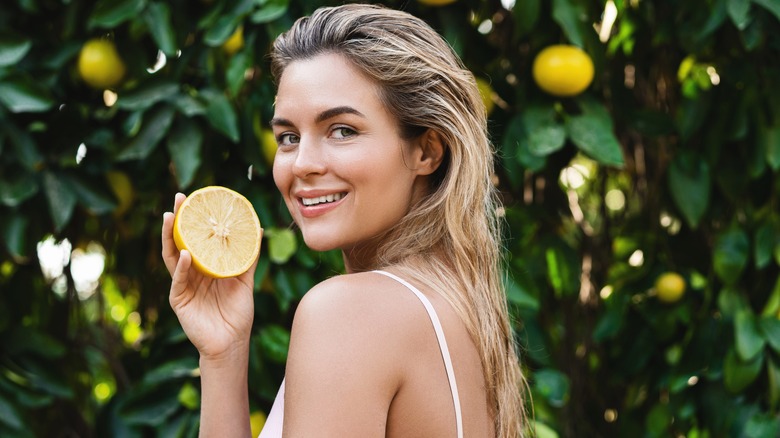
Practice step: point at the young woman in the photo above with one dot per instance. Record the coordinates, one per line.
(384, 154)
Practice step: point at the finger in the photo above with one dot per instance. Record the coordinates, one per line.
(177, 200)
(170, 253)
(180, 274)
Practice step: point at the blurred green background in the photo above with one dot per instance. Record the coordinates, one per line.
(667, 162)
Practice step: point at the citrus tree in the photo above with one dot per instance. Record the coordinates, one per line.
(638, 144)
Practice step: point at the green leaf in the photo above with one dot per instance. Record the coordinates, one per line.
(738, 374)
(772, 306)
(772, 6)
(609, 325)
(658, 420)
(93, 197)
(568, 15)
(221, 114)
(9, 415)
(148, 94)
(62, 199)
(282, 244)
(773, 379)
(771, 139)
(111, 13)
(592, 134)
(189, 396)
(171, 370)
(25, 149)
(22, 95)
(184, 146)
(553, 385)
(689, 184)
(269, 10)
(221, 30)
(748, 337)
(544, 431)
(24, 340)
(17, 189)
(517, 146)
(13, 49)
(519, 295)
(545, 134)
(188, 105)
(770, 326)
(692, 113)
(526, 14)
(236, 71)
(766, 237)
(762, 425)
(732, 249)
(154, 128)
(563, 270)
(275, 342)
(739, 12)
(150, 404)
(14, 233)
(731, 302)
(158, 19)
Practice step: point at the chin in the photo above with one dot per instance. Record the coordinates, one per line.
(317, 243)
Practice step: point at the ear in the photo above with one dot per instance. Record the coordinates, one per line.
(429, 152)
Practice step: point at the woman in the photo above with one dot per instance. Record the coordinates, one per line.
(383, 153)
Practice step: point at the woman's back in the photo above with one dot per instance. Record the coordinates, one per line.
(364, 357)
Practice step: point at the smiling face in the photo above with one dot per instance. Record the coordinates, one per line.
(345, 173)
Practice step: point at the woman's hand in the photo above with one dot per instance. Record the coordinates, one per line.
(216, 314)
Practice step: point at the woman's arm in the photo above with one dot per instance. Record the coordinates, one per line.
(217, 317)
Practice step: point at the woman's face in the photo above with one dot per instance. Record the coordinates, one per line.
(341, 165)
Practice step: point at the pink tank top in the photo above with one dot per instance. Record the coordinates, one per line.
(273, 425)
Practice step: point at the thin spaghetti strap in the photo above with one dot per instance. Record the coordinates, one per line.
(445, 352)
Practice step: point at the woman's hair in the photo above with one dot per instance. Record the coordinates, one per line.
(450, 239)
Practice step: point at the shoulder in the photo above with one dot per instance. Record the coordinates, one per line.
(352, 338)
(357, 306)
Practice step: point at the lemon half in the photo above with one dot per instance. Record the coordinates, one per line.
(220, 229)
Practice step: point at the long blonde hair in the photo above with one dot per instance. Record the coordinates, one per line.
(451, 239)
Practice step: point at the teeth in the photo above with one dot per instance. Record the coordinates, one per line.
(322, 199)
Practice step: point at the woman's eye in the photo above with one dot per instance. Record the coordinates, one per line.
(287, 139)
(343, 132)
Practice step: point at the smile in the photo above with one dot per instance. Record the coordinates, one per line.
(322, 199)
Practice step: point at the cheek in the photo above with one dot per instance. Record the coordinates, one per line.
(279, 174)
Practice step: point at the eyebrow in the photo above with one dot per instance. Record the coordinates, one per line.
(325, 115)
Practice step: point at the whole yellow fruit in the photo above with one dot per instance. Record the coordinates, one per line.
(268, 143)
(486, 91)
(563, 70)
(122, 188)
(670, 287)
(257, 421)
(100, 65)
(235, 42)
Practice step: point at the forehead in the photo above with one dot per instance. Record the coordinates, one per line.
(324, 81)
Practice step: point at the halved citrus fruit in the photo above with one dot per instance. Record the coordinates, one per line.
(220, 229)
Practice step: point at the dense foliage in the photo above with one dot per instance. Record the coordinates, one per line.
(668, 162)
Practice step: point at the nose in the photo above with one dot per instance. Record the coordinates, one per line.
(309, 159)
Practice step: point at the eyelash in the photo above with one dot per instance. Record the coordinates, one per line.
(284, 138)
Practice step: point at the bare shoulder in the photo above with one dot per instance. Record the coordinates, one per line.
(359, 309)
(349, 346)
